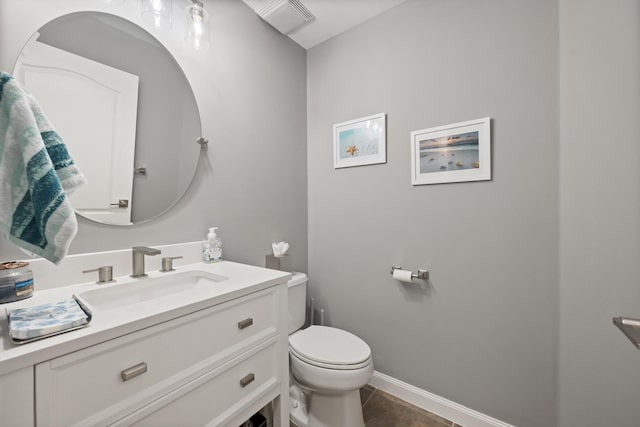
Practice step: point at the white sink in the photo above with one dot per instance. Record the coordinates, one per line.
(149, 289)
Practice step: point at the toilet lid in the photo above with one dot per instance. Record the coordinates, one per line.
(324, 345)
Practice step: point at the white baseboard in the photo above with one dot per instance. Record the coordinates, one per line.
(433, 403)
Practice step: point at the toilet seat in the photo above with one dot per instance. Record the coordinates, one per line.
(330, 348)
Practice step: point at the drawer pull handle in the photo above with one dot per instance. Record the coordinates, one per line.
(133, 371)
(247, 380)
(245, 323)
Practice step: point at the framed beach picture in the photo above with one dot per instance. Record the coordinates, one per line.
(360, 142)
(453, 153)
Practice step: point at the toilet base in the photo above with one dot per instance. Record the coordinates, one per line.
(325, 410)
(298, 408)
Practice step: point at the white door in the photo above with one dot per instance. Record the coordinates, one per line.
(94, 109)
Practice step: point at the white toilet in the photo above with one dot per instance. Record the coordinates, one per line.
(327, 368)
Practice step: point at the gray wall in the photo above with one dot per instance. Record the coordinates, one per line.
(251, 91)
(483, 333)
(599, 369)
(486, 332)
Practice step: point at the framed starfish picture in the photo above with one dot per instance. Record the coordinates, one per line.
(360, 142)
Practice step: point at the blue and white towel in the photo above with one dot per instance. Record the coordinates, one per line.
(46, 319)
(36, 174)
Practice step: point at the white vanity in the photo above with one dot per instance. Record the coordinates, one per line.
(212, 352)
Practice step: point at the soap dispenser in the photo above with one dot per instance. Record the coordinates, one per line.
(212, 248)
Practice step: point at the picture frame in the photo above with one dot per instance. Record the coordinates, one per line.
(360, 142)
(457, 152)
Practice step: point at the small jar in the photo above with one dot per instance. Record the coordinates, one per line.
(16, 281)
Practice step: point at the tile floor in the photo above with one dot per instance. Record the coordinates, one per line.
(381, 409)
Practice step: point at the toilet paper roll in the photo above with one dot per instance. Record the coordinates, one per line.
(402, 275)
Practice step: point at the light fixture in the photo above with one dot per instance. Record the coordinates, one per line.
(197, 26)
(157, 13)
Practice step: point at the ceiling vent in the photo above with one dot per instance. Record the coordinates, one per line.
(285, 16)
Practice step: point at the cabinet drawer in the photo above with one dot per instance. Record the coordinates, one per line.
(88, 387)
(218, 396)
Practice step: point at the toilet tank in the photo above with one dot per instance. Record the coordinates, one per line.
(297, 301)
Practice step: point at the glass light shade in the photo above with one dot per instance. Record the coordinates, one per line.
(197, 26)
(113, 2)
(157, 13)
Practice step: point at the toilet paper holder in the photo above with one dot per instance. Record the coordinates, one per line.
(421, 274)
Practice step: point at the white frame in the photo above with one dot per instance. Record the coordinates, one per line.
(482, 173)
(378, 121)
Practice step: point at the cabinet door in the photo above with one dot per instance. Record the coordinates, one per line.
(225, 396)
(16, 398)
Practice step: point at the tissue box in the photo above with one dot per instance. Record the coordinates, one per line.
(279, 262)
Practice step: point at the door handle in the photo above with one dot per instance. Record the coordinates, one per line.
(122, 203)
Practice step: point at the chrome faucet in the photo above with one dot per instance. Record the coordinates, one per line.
(138, 253)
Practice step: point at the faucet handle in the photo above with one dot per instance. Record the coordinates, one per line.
(167, 263)
(105, 274)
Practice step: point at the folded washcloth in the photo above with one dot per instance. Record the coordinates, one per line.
(36, 174)
(46, 319)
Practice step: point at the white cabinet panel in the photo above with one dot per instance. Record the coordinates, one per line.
(87, 387)
(218, 397)
(16, 398)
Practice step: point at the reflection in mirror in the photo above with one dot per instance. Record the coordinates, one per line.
(123, 107)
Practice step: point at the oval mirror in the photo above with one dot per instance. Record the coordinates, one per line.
(123, 107)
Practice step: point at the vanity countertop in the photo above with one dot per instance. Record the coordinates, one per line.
(241, 280)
